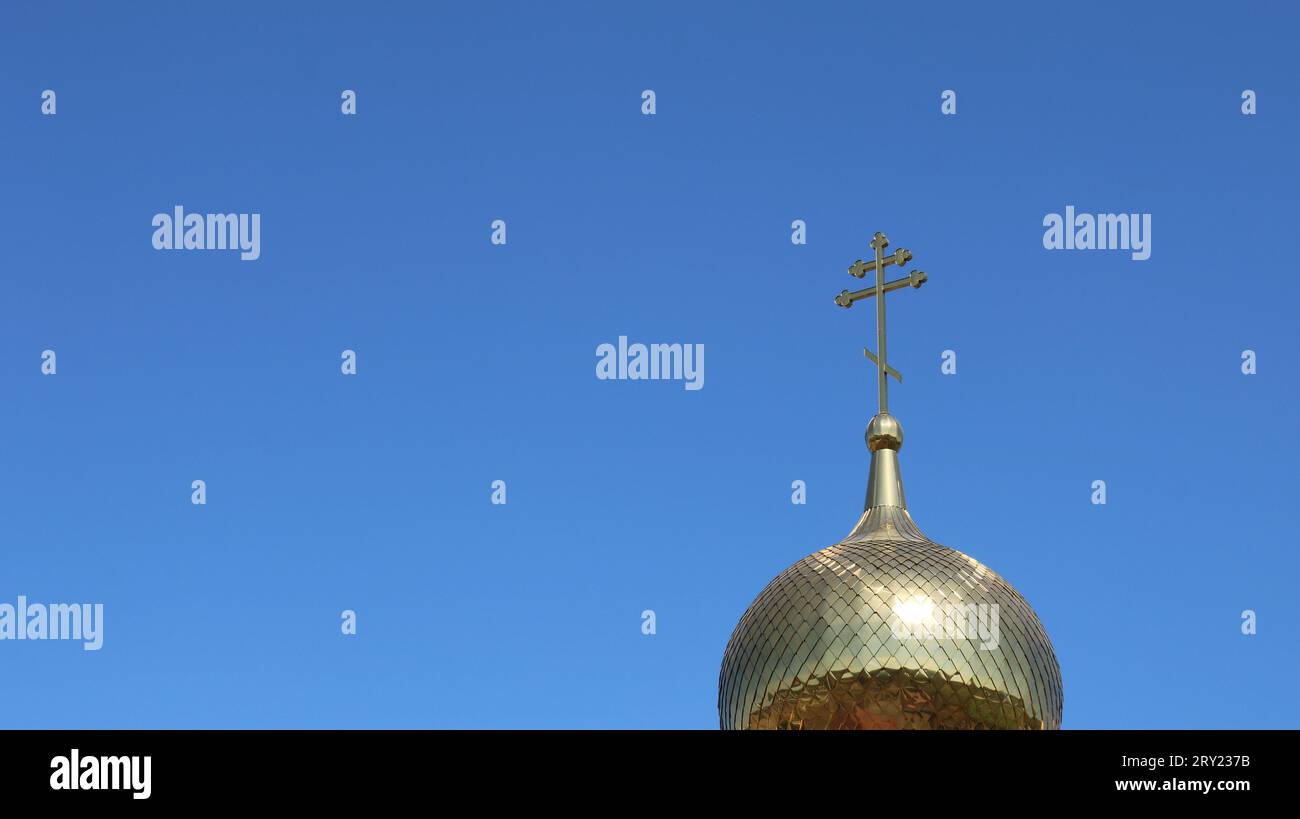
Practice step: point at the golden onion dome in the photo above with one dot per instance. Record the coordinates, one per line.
(888, 629)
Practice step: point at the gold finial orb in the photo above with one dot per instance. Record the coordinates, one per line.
(884, 432)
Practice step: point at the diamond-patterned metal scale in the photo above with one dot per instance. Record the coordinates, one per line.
(821, 648)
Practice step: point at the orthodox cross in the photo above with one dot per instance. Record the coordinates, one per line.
(860, 269)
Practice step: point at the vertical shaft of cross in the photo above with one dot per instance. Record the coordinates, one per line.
(859, 270)
(881, 376)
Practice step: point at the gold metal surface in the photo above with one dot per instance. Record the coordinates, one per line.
(848, 299)
(816, 649)
(821, 646)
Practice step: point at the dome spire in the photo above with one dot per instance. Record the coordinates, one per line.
(884, 433)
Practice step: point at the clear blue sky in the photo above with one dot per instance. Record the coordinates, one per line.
(477, 362)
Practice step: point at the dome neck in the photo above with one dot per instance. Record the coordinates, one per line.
(885, 514)
(885, 484)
